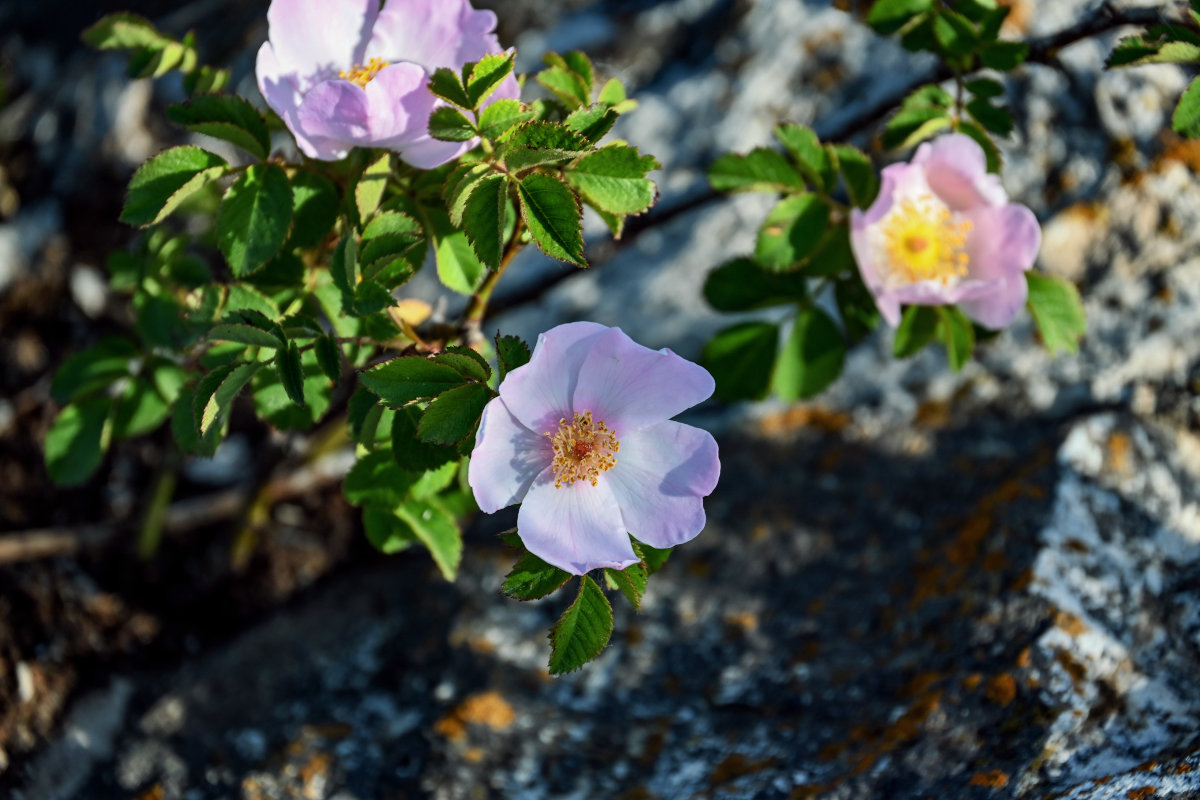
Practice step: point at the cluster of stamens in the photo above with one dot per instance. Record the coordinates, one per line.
(362, 74)
(582, 450)
(923, 242)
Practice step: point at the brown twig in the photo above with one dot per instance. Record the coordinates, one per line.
(477, 308)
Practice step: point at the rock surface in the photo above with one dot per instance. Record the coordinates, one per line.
(926, 585)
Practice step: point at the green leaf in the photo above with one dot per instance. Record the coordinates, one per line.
(217, 391)
(254, 218)
(954, 33)
(917, 329)
(613, 93)
(742, 285)
(329, 357)
(511, 352)
(631, 581)
(343, 268)
(862, 182)
(1186, 119)
(889, 16)
(446, 84)
(912, 125)
(409, 451)
(408, 378)
(249, 327)
(811, 358)
(386, 531)
(652, 557)
(578, 62)
(274, 404)
(995, 119)
(614, 179)
(314, 208)
(582, 631)
(487, 75)
(592, 121)
(449, 125)
(434, 481)
(368, 189)
(539, 143)
(552, 214)
(166, 180)
(376, 479)
(365, 416)
(140, 409)
(291, 373)
(1058, 312)
(94, 369)
(467, 362)
(460, 183)
(985, 88)
(227, 117)
(1004, 56)
(500, 116)
(205, 79)
(371, 297)
(483, 219)
(184, 426)
(857, 308)
(389, 238)
(124, 32)
(454, 414)
(792, 232)
(760, 170)
(958, 334)
(811, 157)
(437, 530)
(741, 358)
(77, 441)
(834, 255)
(245, 298)
(168, 378)
(567, 85)
(532, 579)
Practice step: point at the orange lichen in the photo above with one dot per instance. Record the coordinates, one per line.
(992, 779)
(1002, 689)
(1070, 624)
(486, 708)
(796, 418)
(1142, 793)
(736, 765)
(1119, 446)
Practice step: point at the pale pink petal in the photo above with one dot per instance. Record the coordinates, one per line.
(956, 168)
(399, 104)
(433, 33)
(281, 91)
(1004, 241)
(630, 386)
(539, 393)
(317, 39)
(577, 527)
(662, 472)
(427, 152)
(1000, 306)
(334, 118)
(506, 459)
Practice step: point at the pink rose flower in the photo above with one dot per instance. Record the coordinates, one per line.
(942, 232)
(581, 436)
(345, 74)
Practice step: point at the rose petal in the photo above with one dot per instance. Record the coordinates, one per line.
(630, 386)
(317, 39)
(334, 117)
(433, 33)
(281, 91)
(956, 169)
(576, 528)
(506, 459)
(399, 104)
(1000, 306)
(661, 474)
(1004, 241)
(539, 393)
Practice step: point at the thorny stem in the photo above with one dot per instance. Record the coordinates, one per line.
(478, 305)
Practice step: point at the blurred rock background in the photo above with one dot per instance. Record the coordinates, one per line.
(920, 585)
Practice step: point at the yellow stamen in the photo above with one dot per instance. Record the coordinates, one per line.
(363, 74)
(582, 450)
(923, 242)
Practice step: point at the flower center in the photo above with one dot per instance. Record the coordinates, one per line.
(363, 74)
(582, 450)
(923, 242)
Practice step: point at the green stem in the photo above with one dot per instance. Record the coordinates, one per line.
(477, 307)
